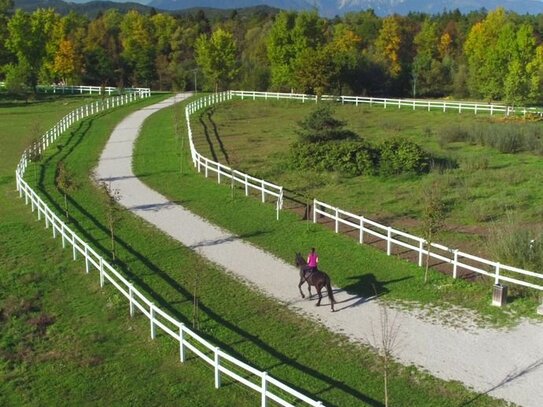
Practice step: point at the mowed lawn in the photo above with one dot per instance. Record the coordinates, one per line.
(481, 187)
(123, 366)
(64, 340)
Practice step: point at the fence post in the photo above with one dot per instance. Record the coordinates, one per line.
(101, 263)
(131, 299)
(73, 246)
(62, 235)
(455, 262)
(314, 211)
(337, 220)
(497, 279)
(246, 185)
(86, 258)
(421, 250)
(361, 230)
(389, 240)
(263, 193)
(217, 372)
(264, 389)
(181, 344)
(152, 319)
(277, 209)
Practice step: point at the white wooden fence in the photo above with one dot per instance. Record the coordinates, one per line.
(106, 90)
(202, 163)
(394, 237)
(458, 259)
(222, 363)
(440, 105)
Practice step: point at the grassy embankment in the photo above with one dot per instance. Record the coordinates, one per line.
(243, 322)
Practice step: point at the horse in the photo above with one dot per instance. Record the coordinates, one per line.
(316, 278)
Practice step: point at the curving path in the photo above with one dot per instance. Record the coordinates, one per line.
(506, 364)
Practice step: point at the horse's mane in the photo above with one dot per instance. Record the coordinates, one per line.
(300, 259)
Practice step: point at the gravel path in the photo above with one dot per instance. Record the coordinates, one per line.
(506, 364)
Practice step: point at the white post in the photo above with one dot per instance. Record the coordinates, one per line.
(181, 344)
(62, 234)
(264, 389)
(497, 280)
(152, 319)
(263, 193)
(101, 263)
(86, 259)
(277, 209)
(361, 230)
(217, 372)
(337, 221)
(314, 211)
(389, 240)
(246, 185)
(131, 299)
(455, 262)
(73, 246)
(421, 250)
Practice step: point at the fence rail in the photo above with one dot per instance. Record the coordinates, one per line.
(99, 90)
(222, 171)
(441, 105)
(457, 259)
(222, 363)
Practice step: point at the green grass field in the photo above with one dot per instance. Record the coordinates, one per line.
(485, 186)
(63, 340)
(92, 352)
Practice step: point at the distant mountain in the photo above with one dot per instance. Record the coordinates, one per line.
(327, 8)
(330, 8)
(229, 4)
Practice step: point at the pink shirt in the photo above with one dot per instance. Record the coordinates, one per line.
(312, 260)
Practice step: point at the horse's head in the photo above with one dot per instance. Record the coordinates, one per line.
(300, 261)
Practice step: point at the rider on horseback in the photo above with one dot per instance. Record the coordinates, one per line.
(312, 260)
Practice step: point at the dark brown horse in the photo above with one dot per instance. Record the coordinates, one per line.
(317, 278)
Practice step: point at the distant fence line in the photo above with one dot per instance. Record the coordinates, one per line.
(393, 237)
(99, 90)
(429, 105)
(268, 387)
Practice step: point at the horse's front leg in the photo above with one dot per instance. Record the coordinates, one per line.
(309, 290)
(300, 287)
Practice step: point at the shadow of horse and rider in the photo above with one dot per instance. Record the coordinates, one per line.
(363, 288)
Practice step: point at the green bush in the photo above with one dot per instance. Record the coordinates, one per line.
(398, 156)
(348, 157)
(321, 126)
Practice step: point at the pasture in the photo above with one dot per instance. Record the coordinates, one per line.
(482, 188)
(123, 365)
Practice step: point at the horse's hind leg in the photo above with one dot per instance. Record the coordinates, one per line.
(309, 289)
(319, 288)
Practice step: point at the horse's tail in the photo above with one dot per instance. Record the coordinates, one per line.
(330, 292)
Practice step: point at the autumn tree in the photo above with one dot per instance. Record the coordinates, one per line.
(28, 37)
(388, 44)
(138, 48)
(217, 59)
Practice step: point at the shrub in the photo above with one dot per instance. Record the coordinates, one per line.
(321, 126)
(350, 158)
(452, 133)
(399, 156)
(516, 245)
